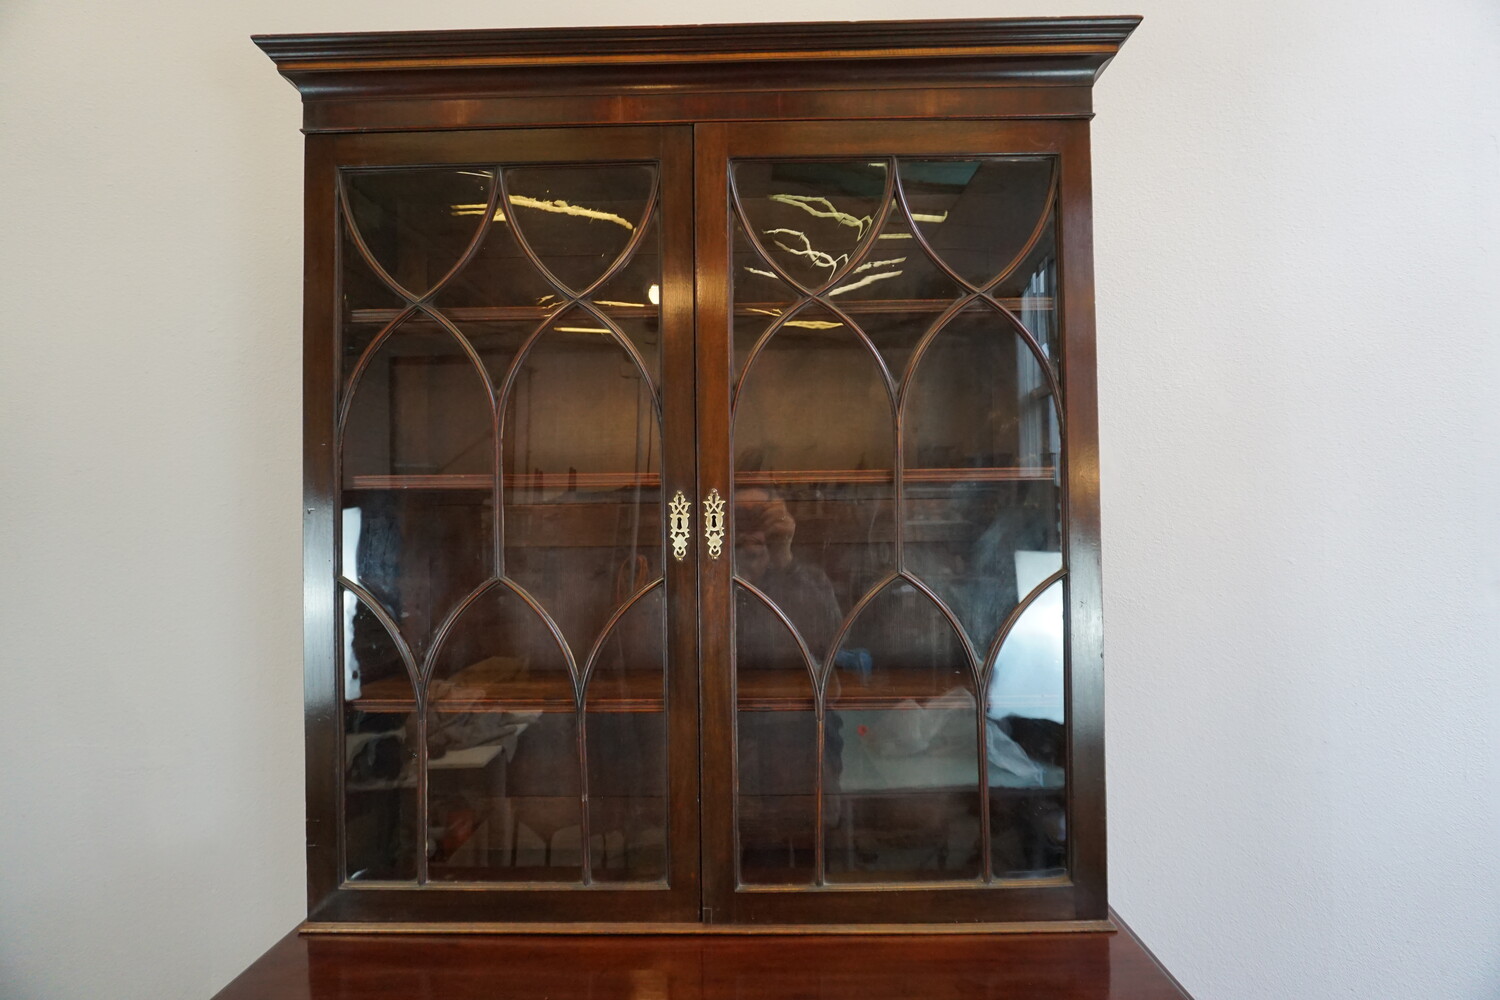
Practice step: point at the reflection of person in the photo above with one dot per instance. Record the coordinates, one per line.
(777, 757)
(763, 531)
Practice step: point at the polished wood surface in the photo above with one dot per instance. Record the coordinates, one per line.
(473, 79)
(877, 89)
(1085, 966)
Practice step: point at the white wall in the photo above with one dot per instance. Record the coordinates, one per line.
(1299, 298)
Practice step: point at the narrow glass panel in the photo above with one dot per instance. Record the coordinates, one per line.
(366, 307)
(417, 223)
(759, 297)
(578, 219)
(981, 458)
(777, 761)
(582, 454)
(814, 450)
(1030, 292)
(417, 458)
(810, 215)
(499, 686)
(632, 299)
(497, 341)
(978, 214)
(896, 294)
(499, 281)
(1025, 735)
(380, 766)
(901, 747)
(627, 747)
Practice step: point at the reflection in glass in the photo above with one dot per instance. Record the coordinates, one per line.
(627, 743)
(815, 511)
(580, 523)
(582, 458)
(810, 216)
(577, 219)
(978, 215)
(901, 746)
(981, 447)
(777, 735)
(1027, 740)
(417, 223)
(380, 778)
(499, 701)
(417, 458)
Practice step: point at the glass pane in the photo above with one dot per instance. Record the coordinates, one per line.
(777, 730)
(978, 214)
(367, 305)
(627, 747)
(1029, 291)
(499, 281)
(814, 446)
(1026, 738)
(498, 679)
(759, 297)
(632, 297)
(981, 482)
(901, 746)
(578, 219)
(417, 458)
(582, 454)
(811, 216)
(380, 765)
(417, 223)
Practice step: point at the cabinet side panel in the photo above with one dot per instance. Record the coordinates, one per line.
(1085, 695)
(321, 671)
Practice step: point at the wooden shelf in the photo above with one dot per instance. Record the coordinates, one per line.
(624, 310)
(641, 691)
(650, 480)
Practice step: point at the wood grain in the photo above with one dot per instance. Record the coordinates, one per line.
(1035, 966)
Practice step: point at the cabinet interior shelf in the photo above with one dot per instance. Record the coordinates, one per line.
(651, 480)
(855, 307)
(641, 691)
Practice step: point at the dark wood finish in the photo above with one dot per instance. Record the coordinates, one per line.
(322, 674)
(1081, 895)
(878, 89)
(917, 69)
(1035, 966)
(331, 899)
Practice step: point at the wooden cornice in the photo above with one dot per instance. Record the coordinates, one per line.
(1065, 51)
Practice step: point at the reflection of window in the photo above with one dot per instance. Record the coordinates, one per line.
(1038, 430)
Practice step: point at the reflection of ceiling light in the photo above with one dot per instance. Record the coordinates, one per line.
(929, 217)
(817, 257)
(807, 203)
(894, 236)
(627, 305)
(813, 324)
(580, 329)
(557, 206)
(868, 279)
(653, 295)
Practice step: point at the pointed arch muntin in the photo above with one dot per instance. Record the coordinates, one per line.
(615, 266)
(813, 673)
(592, 658)
(485, 221)
(780, 323)
(856, 257)
(1049, 202)
(419, 714)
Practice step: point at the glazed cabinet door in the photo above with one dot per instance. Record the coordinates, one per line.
(500, 400)
(901, 711)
